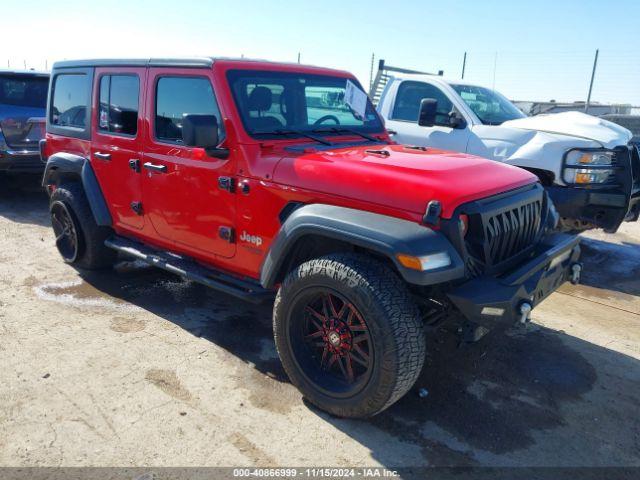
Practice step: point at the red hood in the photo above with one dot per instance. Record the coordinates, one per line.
(406, 179)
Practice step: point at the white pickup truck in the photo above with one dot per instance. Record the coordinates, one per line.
(588, 165)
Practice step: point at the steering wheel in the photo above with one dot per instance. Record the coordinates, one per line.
(325, 118)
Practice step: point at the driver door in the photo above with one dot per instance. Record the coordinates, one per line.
(182, 195)
(404, 119)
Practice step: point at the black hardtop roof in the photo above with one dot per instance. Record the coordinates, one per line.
(184, 62)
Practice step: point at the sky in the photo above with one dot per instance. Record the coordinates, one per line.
(528, 50)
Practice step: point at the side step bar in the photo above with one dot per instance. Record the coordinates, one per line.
(187, 268)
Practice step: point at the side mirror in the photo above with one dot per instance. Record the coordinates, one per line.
(456, 120)
(427, 115)
(202, 131)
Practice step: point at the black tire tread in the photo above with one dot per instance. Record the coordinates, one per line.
(386, 293)
(93, 254)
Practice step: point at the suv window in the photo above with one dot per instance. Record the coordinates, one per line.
(180, 96)
(70, 100)
(409, 96)
(118, 111)
(23, 90)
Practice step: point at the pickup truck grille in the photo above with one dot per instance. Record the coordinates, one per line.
(634, 150)
(503, 230)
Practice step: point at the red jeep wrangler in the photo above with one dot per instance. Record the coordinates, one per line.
(262, 179)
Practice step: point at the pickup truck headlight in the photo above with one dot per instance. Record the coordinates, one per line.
(587, 166)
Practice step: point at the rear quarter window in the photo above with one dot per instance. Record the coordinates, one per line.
(69, 107)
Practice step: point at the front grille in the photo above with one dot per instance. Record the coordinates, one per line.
(510, 232)
(503, 230)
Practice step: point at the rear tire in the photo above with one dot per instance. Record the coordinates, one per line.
(357, 309)
(79, 239)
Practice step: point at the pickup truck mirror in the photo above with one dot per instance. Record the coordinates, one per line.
(427, 115)
(202, 131)
(456, 120)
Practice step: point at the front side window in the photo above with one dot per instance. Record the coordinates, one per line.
(271, 102)
(23, 90)
(409, 97)
(489, 106)
(70, 100)
(180, 96)
(118, 111)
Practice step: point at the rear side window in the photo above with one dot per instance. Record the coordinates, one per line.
(409, 96)
(118, 112)
(180, 96)
(70, 100)
(23, 91)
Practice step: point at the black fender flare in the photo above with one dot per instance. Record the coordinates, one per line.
(61, 166)
(383, 234)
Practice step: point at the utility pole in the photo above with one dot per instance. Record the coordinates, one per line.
(593, 75)
(373, 56)
(464, 64)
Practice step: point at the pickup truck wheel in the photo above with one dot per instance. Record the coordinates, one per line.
(79, 239)
(348, 334)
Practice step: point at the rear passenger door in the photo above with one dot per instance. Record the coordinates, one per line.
(116, 144)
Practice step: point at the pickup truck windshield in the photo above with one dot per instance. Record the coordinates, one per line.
(489, 106)
(297, 103)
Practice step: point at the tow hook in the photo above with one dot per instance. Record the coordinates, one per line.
(525, 313)
(576, 272)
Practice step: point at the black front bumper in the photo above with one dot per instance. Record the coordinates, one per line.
(604, 205)
(605, 209)
(21, 161)
(489, 300)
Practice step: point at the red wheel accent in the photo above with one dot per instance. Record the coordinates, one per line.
(338, 337)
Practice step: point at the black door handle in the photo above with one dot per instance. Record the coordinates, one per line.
(102, 156)
(155, 168)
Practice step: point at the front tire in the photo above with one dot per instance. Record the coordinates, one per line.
(79, 239)
(348, 334)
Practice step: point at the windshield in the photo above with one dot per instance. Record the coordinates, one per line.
(489, 106)
(298, 103)
(23, 90)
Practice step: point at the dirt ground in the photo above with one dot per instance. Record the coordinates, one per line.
(137, 367)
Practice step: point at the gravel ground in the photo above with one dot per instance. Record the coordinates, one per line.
(137, 367)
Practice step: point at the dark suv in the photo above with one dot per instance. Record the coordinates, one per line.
(23, 100)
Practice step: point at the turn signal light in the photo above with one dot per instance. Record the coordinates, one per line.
(409, 261)
(426, 262)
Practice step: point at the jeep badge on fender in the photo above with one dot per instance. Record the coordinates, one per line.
(335, 222)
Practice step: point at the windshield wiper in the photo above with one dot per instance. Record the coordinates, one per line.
(346, 130)
(295, 132)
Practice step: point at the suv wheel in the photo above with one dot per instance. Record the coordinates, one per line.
(79, 239)
(348, 334)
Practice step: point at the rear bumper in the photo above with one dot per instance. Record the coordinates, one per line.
(490, 300)
(21, 161)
